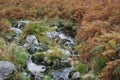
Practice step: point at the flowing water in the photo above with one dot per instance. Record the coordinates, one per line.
(38, 70)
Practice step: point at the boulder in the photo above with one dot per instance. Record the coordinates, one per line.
(31, 40)
(33, 45)
(6, 69)
(76, 76)
(62, 75)
(17, 31)
(22, 23)
(53, 37)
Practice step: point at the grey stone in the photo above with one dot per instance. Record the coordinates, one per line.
(53, 37)
(62, 75)
(31, 40)
(6, 69)
(21, 24)
(76, 75)
(17, 31)
(33, 45)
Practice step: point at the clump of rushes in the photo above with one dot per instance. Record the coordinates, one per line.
(82, 68)
(38, 29)
(99, 64)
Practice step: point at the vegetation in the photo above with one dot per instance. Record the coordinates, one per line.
(38, 57)
(97, 23)
(82, 68)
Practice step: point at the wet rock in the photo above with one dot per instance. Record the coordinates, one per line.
(66, 73)
(6, 69)
(17, 31)
(62, 75)
(66, 44)
(42, 47)
(76, 76)
(21, 24)
(31, 40)
(33, 45)
(53, 37)
(65, 62)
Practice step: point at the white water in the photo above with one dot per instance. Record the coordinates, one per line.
(63, 36)
(34, 68)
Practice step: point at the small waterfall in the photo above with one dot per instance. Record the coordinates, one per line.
(35, 69)
(63, 36)
(30, 59)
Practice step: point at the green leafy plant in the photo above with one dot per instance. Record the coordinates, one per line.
(21, 55)
(99, 64)
(47, 78)
(82, 68)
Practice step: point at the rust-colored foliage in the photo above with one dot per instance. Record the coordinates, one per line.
(107, 72)
(15, 13)
(89, 10)
(99, 23)
(4, 26)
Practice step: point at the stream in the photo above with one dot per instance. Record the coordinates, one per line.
(66, 44)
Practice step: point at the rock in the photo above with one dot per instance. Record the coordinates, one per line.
(42, 47)
(31, 40)
(6, 69)
(66, 73)
(53, 37)
(76, 76)
(66, 44)
(21, 24)
(17, 31)
(58, 37)
(65, 62)
(56, 75)
(62, 75)
(33, 45)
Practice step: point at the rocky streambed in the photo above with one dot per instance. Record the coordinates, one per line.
(45, 60)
